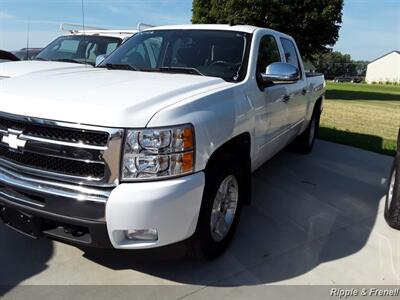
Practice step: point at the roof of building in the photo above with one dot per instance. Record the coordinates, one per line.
(395, 51)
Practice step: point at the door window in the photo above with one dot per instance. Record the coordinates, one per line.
(290, 52)
(268, 53)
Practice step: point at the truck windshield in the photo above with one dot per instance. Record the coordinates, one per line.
(78, 48)
(198, 52)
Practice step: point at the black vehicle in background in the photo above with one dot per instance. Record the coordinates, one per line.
(392, 206)
(27, 53)
(7, 56)
(352, 79)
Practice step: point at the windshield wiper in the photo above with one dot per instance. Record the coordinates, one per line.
(120, 67)
(71, 61)
(184, 70)
(40, 58)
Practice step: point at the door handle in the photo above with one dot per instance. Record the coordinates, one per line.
(304, 92)
(286, 98)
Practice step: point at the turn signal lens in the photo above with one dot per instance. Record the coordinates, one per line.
(187, 162)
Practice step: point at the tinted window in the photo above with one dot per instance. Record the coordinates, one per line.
(66, 46)
(79, 48)
(268, 53)
(290, 52)
(212, 53)
(153, 46)
(111, 47)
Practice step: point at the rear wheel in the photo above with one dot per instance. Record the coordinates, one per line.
(220, 210)
(392, 205)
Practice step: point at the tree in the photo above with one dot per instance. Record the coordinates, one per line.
(314, 24)
(361, 67)
(334, 64)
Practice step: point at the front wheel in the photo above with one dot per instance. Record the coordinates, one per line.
(220, 210)
(392, 205)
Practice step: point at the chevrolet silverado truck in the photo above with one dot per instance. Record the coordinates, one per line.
(77, 50)
(156, 145)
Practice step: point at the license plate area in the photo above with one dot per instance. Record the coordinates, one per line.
(22, 222)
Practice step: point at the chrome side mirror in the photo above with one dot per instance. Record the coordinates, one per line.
(281, 73)
(100, 58)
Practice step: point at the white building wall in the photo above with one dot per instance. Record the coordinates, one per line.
(384, 69)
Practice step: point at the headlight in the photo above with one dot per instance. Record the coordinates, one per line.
(157, 153)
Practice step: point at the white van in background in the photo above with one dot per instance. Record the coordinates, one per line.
(78, 49)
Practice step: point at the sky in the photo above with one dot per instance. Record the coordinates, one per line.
(370, 28)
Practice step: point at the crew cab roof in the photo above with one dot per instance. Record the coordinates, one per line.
(239, 28)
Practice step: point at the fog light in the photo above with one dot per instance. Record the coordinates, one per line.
(145, 235)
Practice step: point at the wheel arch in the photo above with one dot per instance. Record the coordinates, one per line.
(240, 147)
(319, 103)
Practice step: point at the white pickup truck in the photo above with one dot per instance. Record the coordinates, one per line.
(156, 145)
(77, 50)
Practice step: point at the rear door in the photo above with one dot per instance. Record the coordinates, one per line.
(296, 92)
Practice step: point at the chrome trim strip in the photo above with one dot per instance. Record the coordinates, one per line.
(80, 193)
(61, 143)
(8, 196)
(67, 125)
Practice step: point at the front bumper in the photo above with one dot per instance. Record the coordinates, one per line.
(99, 217)
(170, 206)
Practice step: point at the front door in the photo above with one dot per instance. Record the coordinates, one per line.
(271, 111)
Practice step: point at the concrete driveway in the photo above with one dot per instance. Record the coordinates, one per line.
(314, 220)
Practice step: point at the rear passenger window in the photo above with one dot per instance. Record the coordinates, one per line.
(268, 53)
(111, 47)
(290, 52)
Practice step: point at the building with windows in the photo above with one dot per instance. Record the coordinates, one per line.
(384, 69)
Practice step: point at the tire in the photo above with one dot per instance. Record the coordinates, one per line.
(205, 242)
(305, 142)
(392, 205)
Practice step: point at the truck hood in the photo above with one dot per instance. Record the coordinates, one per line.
(18, 68)
(112, 98)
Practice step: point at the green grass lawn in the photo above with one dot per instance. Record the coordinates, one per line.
(362, 115)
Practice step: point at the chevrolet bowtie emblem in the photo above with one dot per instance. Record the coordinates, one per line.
(13, 140)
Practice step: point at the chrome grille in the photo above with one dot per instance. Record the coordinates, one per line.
(61, 151)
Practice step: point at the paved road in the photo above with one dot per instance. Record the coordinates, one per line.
(315, 219)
